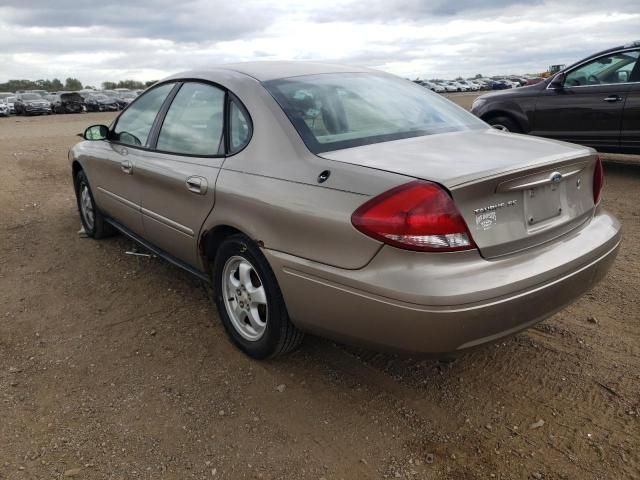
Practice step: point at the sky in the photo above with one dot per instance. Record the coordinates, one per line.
(112, 40)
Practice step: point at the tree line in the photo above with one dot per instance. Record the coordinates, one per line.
(70, 84)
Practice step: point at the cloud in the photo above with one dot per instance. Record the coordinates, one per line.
(149, 39)
(189, 20)
(414, 10)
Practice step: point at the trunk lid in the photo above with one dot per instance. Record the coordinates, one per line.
(514, 191)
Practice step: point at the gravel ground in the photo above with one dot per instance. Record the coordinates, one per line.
(117, 367)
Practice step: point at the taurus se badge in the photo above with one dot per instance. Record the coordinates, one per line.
(496, 206)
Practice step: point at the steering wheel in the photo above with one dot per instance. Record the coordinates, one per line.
(592, 80)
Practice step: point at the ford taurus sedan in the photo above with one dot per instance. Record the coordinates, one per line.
(347, 203)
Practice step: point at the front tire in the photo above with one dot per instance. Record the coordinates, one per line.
(92, 220)
(507, 124)
(250, 302)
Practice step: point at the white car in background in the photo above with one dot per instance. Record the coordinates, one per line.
(458, 87)
(470, 85)
(434, 87)
(4, 109)
(508, 82)
(10, 101)
(447, 87)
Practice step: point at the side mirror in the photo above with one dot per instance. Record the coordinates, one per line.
(96, 132)
(558, 82)
(623, 76)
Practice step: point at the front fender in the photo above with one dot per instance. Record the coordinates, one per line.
(518, 106)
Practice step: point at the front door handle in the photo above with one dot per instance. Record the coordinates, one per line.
(197, 185)
(126, 167)
(613, 98)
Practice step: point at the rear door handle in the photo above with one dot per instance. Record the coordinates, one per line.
(197, 185)
(126, 167)
(613, 98)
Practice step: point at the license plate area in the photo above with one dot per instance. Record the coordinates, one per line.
(543, 203)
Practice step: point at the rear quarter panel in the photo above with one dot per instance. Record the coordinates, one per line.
(299, 219)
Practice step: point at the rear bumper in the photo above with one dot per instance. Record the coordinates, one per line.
(437, 303)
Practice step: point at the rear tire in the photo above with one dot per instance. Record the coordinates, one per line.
(507, 123)
(249, 300)
(92, 220)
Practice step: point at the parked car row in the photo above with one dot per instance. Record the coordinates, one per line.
(41, 102)
(476, 84)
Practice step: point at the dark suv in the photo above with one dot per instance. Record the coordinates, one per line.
(594, 102)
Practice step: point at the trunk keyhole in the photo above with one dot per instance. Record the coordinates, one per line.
(324, 176)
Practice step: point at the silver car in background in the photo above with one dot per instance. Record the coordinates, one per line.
(348, 203)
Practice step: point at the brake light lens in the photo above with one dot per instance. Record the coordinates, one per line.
(415, 216)
(598, 181)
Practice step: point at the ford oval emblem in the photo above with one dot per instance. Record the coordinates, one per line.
(556, 177)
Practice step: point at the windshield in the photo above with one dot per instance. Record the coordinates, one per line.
(31, 96)
(334, 111)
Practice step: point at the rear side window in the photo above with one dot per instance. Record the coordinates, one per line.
(194, 123)
(239, 128)
(135, 123)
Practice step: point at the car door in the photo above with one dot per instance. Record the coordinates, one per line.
(630, 132)
(179, 176)
(112, 164)
(587, 107)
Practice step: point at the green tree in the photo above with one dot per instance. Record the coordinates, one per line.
(109, 85)
(56, 85)
(130, 84)
(15, 85)
(149, 83)
(72, 84)
(43, 85)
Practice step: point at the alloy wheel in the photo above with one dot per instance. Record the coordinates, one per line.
(86, 206)
(245, 298)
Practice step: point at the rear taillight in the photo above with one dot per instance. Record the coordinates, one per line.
(598, 181)
(415, 216)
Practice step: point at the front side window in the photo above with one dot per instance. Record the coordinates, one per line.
(343, 110)
(615, 68)
(134, 125)
(194, 124)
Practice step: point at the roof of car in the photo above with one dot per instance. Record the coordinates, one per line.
(603, 52)
(271, 70)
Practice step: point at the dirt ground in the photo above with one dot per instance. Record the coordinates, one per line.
(117, 367)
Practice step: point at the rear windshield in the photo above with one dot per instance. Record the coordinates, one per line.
(343, 110)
